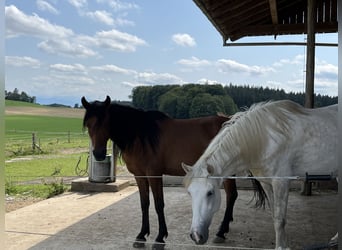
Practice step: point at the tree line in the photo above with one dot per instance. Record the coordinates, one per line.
(16, 96)
(184, 101)
(194, 100)
(245, 96)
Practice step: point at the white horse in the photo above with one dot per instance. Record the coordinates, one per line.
(275, 140)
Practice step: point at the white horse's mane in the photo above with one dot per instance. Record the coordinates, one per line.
(247, 133)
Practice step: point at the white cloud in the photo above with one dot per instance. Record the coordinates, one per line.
(63, 41)
(68, 68)
(208, 81)
(184, 40)
(18, 23)
(104, 16)
(326, 71)
(66, 48)
(17, 61)
(297, 60)
(326, 87)
(78, 3)
(118, 5)
(326, 78)
(151, 78)
(114, 69)
(82, 45)
(61, 85)
(45, 6)
(274, 84)
(326, 75)
(131, 84)
(193, 62)
(231, 66)
(117, 40)
(101, 16)
(119, 21)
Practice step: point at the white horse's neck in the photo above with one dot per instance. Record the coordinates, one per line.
(242, 142)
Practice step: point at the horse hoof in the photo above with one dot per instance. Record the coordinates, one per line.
(139, 243)
(158, 246)
(219, 240)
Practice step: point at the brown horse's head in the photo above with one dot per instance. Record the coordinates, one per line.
(96, 120)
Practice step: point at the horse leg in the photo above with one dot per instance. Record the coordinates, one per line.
(157, 190)
(145, 204)
(280, 195)
(231, 196)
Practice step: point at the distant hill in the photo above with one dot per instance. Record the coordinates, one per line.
(25, 108)
(57, 105)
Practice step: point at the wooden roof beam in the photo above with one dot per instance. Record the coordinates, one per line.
(274, 11)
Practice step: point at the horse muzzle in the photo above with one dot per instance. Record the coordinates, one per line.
(199, 238)
(100, 155)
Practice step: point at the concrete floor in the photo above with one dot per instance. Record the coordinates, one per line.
(112, 220)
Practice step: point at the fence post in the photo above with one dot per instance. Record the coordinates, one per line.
(33, 141)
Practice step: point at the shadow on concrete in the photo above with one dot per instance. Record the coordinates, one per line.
(311, 220)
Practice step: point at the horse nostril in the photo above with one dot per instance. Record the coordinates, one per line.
(196, 237)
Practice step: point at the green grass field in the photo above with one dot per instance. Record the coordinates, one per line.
(51, 134)
(63, 144)
(10, 103)
(42, 124)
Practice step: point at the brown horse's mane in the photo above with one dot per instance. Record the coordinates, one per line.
(126, 124)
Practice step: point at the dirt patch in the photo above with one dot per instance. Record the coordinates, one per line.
(45, 111)
(13, 203)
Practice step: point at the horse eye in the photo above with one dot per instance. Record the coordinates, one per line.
(210, 193)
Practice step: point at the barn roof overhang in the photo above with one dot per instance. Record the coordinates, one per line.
(235, 19)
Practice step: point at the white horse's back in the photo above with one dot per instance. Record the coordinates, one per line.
(314, 142)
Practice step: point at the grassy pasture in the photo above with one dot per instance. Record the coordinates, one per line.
(10, 103)
(51, 134)
(63, 143)
(42, 124)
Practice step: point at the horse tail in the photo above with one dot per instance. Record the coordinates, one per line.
(260, 195)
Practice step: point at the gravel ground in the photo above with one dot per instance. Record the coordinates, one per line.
(15, 202)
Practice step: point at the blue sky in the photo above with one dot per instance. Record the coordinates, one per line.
(60, 51)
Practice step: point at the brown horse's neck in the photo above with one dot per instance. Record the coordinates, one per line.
(127, 124)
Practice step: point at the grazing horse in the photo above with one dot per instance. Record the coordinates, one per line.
(276, 141)
(153, 144)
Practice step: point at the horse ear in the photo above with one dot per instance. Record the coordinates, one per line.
(211, 169)
(107, 101)
(85, 103)
(186, 168)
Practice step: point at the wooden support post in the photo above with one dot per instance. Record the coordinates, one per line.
(310, 54)
(310, 69)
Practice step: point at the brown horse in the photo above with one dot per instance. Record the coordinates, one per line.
(153, 144)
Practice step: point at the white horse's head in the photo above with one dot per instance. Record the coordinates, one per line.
(206, 200)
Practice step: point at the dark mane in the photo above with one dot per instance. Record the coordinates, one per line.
(128, 124)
